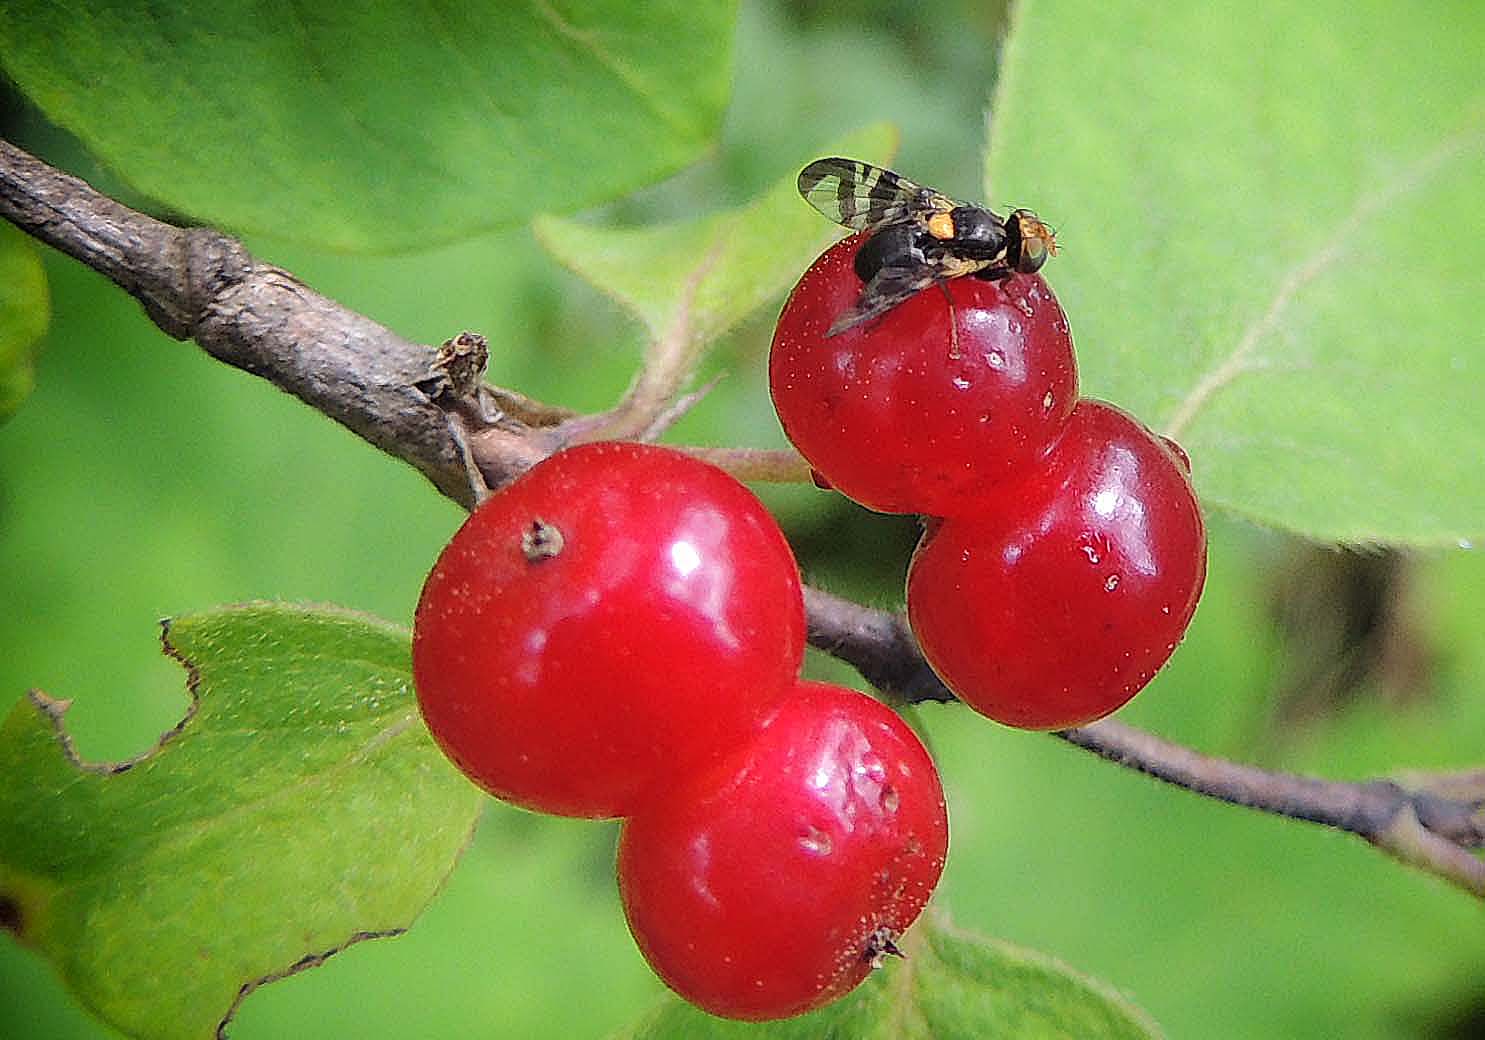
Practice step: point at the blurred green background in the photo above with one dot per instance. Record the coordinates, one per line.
(144, 479)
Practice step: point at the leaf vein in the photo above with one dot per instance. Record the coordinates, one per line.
(190, 831)
(588, 42)
(1242, 359)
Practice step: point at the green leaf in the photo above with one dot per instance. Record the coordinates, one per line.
(378, 126)
(299, 807)
(950, 985)
(691, 281)
(24, 313)
(1269, 217)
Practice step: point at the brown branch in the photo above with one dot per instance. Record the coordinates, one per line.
(1451, 808)
(1366, 809)
(421, 405)
(198, 284)
(877, 643)
(1415, 824)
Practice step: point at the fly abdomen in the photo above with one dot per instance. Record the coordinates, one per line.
(889, 247)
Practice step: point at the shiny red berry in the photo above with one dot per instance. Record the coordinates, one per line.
(611, 621)
(1061, 603)
(932, 406)
(772, 883)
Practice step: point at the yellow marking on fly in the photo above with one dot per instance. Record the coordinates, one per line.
(941, 226)
(956, 267)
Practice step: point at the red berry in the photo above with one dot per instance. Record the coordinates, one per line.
(1059, 605)
(771, 884)
(928, 408)
(615, 618)
(1178, 451)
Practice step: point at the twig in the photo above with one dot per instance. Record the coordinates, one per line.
(676, 410)
(1416, 825)
(199, 284)
(877, 643)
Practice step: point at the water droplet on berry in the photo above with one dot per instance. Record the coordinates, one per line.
(1095, 546)
(962, 383)
(871, 766)
(816, 842)
(1047, 400)
(890, 799)
(1024, 306)
(984, 417)
(1111, 583)
(995, 359)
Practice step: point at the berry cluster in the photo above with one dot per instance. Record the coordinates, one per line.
(618, 633)
(1065, 549)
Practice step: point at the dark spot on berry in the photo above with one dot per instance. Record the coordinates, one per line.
(541, 541)
(881, 944)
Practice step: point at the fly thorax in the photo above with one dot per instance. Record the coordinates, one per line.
(978, 233)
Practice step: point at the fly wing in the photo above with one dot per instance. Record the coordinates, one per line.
(887, 288)
(894, 283)
(862, 196)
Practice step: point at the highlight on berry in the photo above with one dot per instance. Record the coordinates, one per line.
(919, 237)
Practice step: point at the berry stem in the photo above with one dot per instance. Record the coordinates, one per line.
(757, 465)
